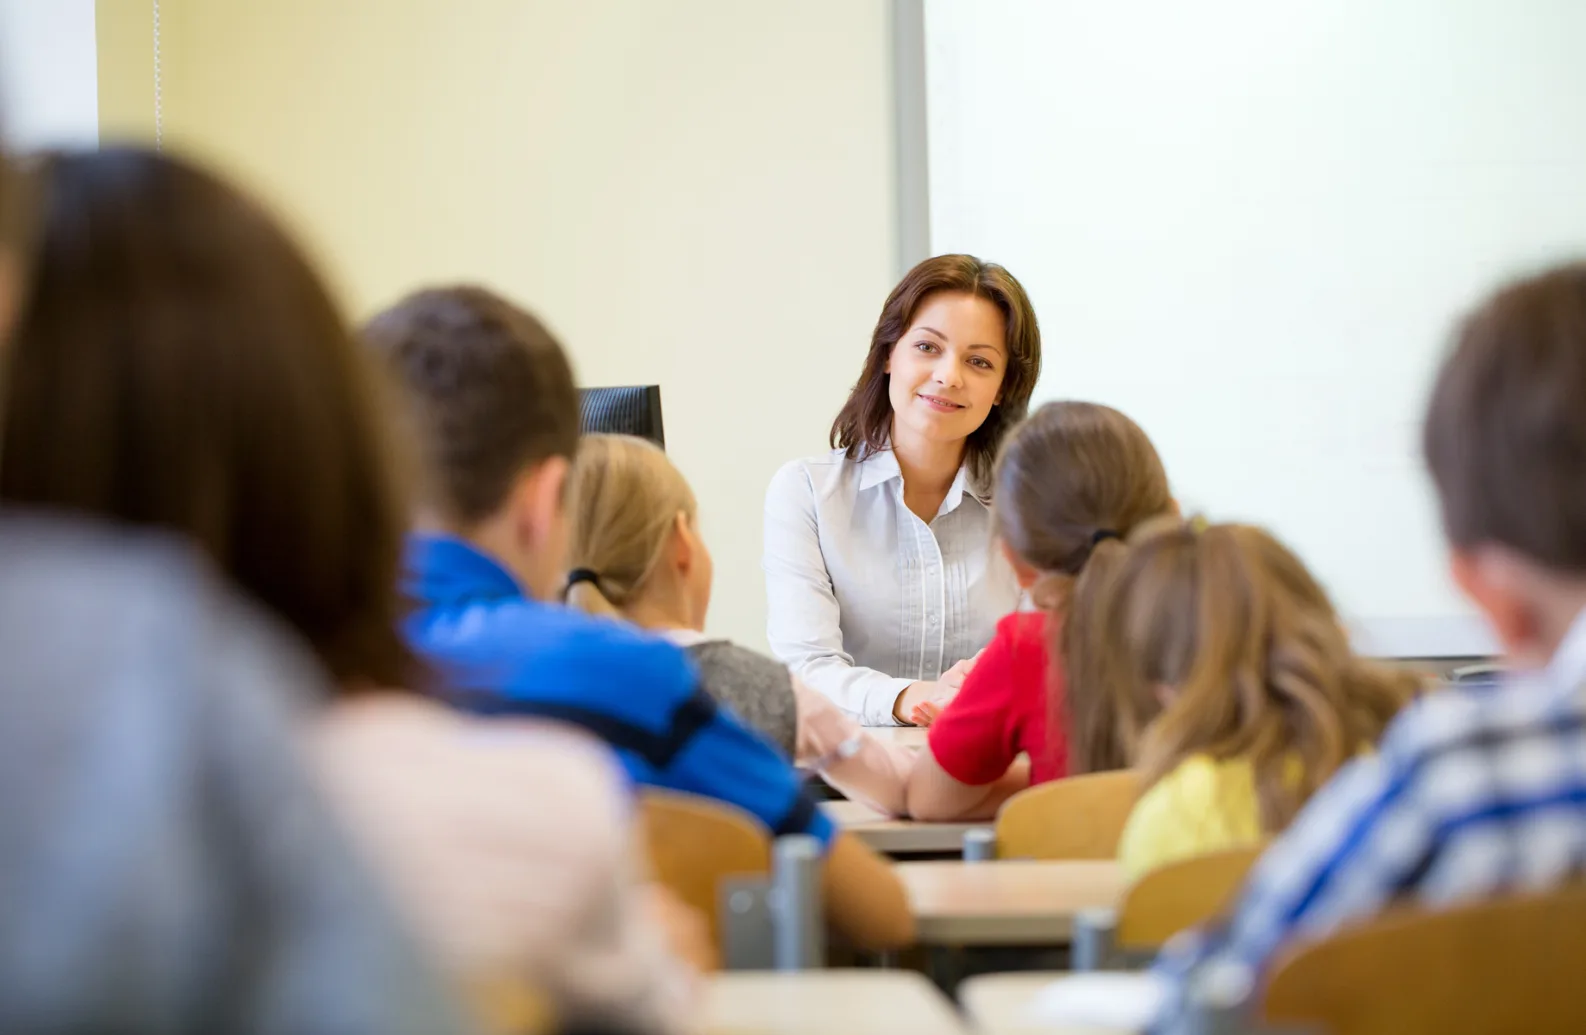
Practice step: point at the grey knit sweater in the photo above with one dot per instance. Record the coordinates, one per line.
(759, 689)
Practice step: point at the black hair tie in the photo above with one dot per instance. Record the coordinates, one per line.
(578, 575)
(1101, 535)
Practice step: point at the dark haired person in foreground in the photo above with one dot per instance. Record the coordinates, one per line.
(180, 364)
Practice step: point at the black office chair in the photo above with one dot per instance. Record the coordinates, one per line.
(626, 410)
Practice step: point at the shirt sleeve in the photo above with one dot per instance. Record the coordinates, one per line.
(802, 613)
(727, 761)
(326, 951)
(973, 739)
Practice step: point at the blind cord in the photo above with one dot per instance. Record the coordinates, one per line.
(159, 126)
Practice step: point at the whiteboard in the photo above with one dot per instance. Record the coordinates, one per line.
(1251, 225)
(49, 74)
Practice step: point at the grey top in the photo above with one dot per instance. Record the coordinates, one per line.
(165, 863)
(753, 685)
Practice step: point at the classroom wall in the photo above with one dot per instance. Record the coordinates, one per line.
(698, 193)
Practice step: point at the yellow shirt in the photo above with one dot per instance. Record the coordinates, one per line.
(1202, 806)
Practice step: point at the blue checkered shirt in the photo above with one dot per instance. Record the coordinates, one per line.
(1474, 791)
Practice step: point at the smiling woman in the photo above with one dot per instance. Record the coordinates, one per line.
(880, 577)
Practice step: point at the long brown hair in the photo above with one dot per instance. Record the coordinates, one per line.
(179, 364)
(1255, 662)
(864, 424)
(623, 499)
(1070, 482)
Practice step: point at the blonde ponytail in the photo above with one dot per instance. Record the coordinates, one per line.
(623, 500)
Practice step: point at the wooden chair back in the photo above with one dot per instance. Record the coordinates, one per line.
(694, 843)
(1181, 895)
(1080, 817)
(511, 1008)
(1507, 965)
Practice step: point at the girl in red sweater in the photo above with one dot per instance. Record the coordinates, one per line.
(1072, 480)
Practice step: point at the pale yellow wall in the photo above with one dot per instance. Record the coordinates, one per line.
(124, 38)
(697, 193)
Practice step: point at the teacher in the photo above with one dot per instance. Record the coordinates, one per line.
(881, 577)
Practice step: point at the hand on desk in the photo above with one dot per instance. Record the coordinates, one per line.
(920, 703)
(955, 676)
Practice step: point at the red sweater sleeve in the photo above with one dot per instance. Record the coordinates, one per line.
(974, 739)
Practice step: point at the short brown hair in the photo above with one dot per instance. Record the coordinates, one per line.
(1071, 481)
(1505, 433)
(864, 424)
(492, 392)
(178, 363)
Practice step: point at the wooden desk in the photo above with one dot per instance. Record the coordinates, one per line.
(998, 1004)
(908, 736)
(1013, 902)
(826, 1002)
(897, 836)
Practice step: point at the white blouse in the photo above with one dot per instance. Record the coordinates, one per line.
(864, 598)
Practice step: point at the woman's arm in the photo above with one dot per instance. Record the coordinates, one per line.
(802, 613)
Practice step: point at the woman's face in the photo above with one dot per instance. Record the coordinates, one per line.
(947, 369)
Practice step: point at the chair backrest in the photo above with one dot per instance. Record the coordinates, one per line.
(694, 843)
(1080, 817)
(1180, 895)
(511, 1007)
(1507, 965)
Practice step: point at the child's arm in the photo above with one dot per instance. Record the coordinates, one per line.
(936, 796)
(863, 767)
(971, 766)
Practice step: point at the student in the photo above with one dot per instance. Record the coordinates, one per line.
(1071, 481)
(637, 552)
(1262, 699)
(179, 365)
(1473, 792)
(167, 866)
(492, 400)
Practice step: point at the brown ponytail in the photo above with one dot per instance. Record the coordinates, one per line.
(1072, 482)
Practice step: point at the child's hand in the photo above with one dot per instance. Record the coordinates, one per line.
(926, 712)
(955, 676)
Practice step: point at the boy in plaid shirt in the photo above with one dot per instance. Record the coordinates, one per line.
(1479, 791)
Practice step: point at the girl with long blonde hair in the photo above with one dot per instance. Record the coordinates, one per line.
(1232, 684)
(636, 553)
